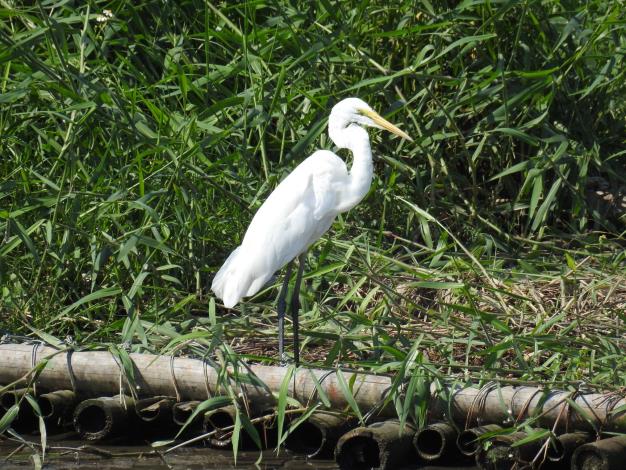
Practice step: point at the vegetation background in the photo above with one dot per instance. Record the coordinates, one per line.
(138, 138)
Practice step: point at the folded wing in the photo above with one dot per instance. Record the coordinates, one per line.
(296, 214)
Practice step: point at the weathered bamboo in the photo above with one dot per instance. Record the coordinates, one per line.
(384, 445)
(156, 416)
(222, 421)
(468, 441)
(154, 375)
(506, 405)
(155, 410)
(57, 407)
(318, 435)
(224, 418)
(436, 441)
(98, 419)
(561, 449)
(607, 454)
(216, 420)
(504, 453)
(185, 377)
(182, 411)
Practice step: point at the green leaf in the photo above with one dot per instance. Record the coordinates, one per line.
(347, 393)
(518, 135)
(251, 430)
(97, 295)
(127, 368)
(236, 435)
(282, 400)
(518, 167)
(23, 234)
(8, 417)
(536, 194)
(137, 284)
(320, 390)
(207, 405)
(540, 434)
(542, 212)
(294, 425)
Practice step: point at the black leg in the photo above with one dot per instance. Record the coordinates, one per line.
(282, 307)
(295, 306)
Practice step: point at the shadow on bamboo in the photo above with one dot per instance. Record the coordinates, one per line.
(156, 415)
(57, 408)
(218, 419)
(182, 411)
(607, 454)
(317, 437)
(385, 445)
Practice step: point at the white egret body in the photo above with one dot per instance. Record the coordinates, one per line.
(304, 205)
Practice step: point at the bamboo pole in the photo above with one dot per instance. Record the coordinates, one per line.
(607, 454)
(97, 373)
(552, 409)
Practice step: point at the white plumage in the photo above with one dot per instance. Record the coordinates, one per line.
(304, 205)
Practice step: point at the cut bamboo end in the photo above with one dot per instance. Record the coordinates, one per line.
(436, 441)
(103, 418)
(504, 453)
(607, 454)
(11, 397)
(182, 411)
(217, 420)
(386, 445)
(319, 434)
(57, 405)
(468, 441)
(156, 416)
(155, 409)
(561, 449)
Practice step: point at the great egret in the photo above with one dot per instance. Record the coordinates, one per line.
(300, 210)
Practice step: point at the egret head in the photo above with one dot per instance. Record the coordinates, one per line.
(352, 111)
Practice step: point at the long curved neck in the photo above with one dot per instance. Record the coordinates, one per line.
(354, 138)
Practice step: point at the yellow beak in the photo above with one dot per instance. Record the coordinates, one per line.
(384, 124)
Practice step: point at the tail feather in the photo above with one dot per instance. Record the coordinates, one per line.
(226, 284)
(239, 276)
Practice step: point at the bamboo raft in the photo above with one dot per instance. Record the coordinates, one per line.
(92, 392)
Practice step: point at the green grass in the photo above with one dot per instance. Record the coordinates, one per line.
(136, 147)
